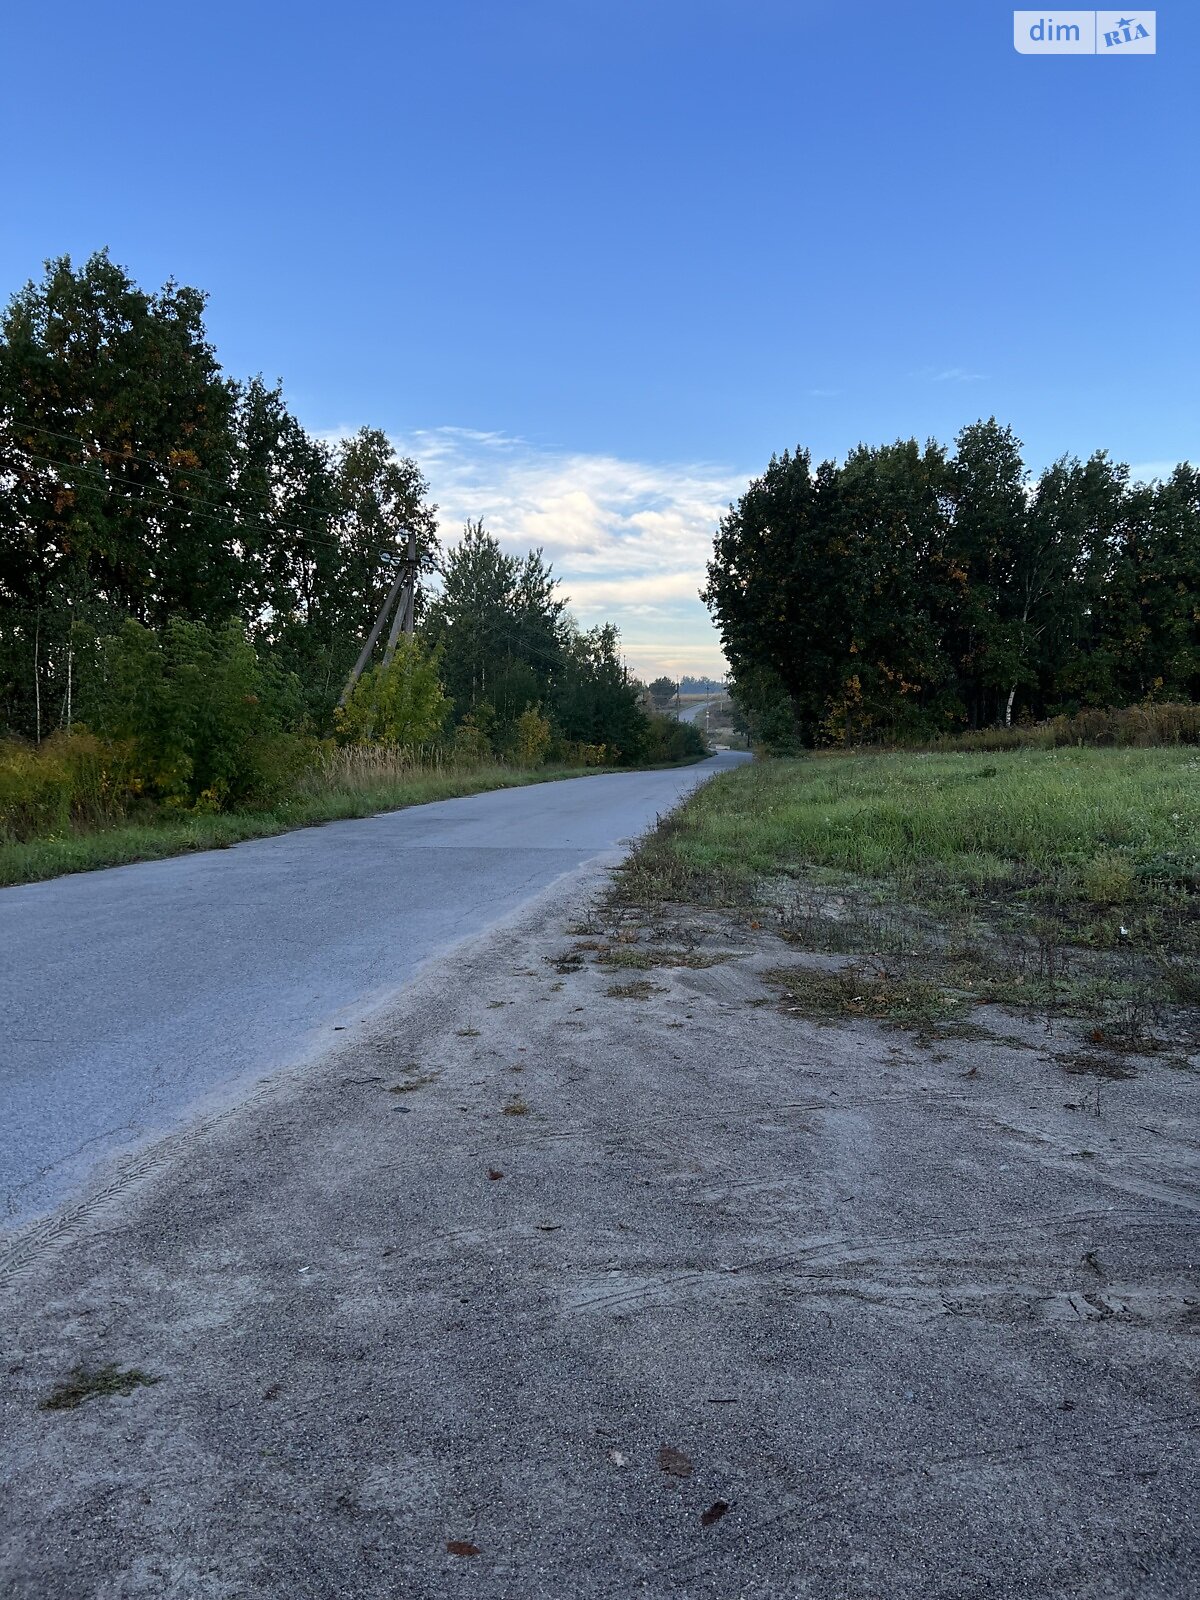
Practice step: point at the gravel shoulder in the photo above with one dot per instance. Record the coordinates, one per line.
(539, 1289)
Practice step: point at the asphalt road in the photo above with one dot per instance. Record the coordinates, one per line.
(135, 997)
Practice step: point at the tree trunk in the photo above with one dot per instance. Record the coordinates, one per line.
(1008, 708)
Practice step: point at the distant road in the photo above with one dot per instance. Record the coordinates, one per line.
(696, 713)
(134, 994)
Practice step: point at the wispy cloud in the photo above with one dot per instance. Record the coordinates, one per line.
(950, 375)
(628, 538)
(1147, 471)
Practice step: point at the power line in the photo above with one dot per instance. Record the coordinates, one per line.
(511, 632)
(147, 489)
(153, 461)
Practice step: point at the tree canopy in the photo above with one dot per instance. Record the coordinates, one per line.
(919, 588)
(170, 534)
(139, 481)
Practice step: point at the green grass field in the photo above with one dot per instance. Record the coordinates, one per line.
(1101, 825)
(983, 857)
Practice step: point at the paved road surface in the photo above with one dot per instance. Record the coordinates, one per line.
(134, 995)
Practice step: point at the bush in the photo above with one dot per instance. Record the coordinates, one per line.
(1127, 727)
(578, 753)
(471, 743)
(1107, 880)
(203, 717)
(72, 780)
(1133, 727)
(403, 703)
(533, 735)
(667, 739)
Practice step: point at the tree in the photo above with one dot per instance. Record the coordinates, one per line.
(988, 508)
(534, 736)
(111, 404)
(910, 590)
(139, 481)
(594, 702)
(499, 624)
(335, 579)
(663, 691)
(829, 586)
(204, 717)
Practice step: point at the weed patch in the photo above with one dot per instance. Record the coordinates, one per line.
(645, 959)
(1096, 1066)
(422, 1081)
(880, 996)
(569, 961)
(95, 1383)
(639, 989)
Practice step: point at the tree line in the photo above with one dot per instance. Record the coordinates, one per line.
(165, 527)
(914, 590)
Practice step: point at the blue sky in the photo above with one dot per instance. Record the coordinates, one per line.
(594, 262)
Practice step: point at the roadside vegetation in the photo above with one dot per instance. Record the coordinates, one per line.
(79, 802)
(1064, 880)
(351, 783)
(186, 578)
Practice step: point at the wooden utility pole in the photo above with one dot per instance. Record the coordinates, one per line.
(402, 595)
(405, 617)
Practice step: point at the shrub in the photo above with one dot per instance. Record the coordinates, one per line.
(1108, 880)
(667, 739)
(578, 753)
(72, 780)
(402, 703)
(35, 793)
(533, 735)
(471, 743)
(1129, 727)
(203, 717)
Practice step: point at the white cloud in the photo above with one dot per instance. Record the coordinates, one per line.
(629, 539)
(1147, 471)
(950, 375)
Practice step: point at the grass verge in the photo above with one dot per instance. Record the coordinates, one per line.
(1057, 880)
(315, 803)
